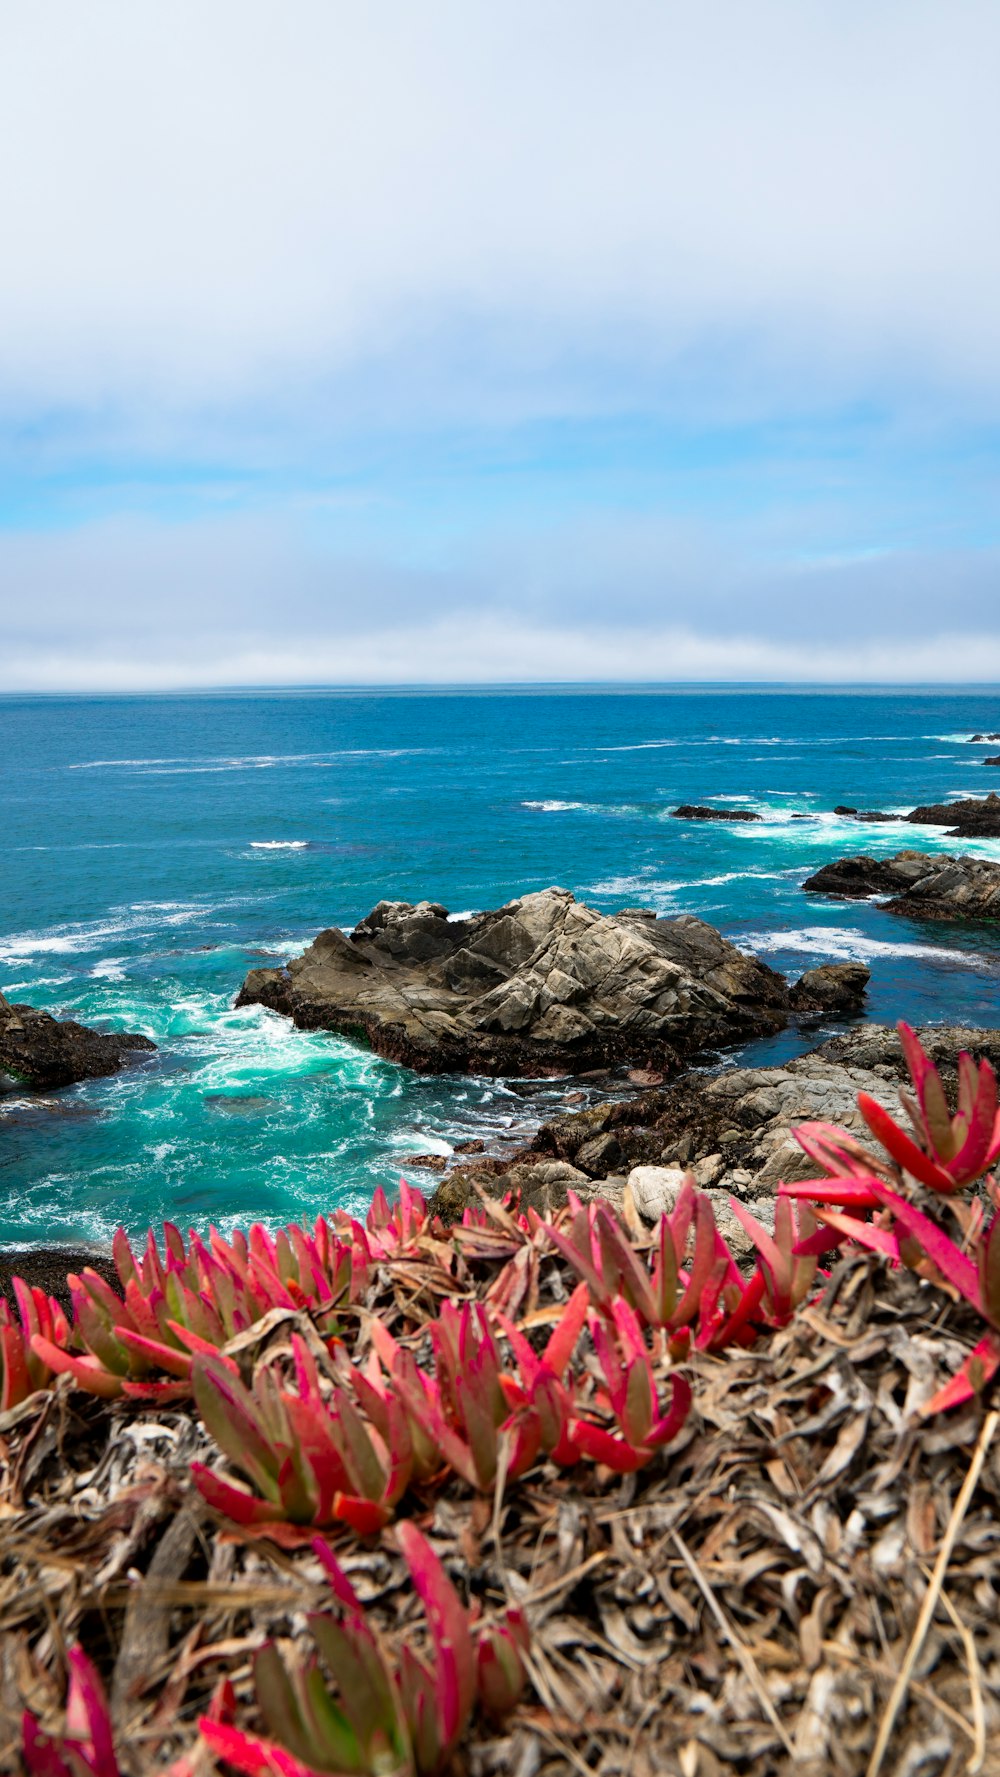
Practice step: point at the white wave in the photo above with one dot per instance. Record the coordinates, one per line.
(552, 807)
(278, 844)
(847, 944)
(112, 968)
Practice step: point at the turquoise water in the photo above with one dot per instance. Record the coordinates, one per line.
(155, 848)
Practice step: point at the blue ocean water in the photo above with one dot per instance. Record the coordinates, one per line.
(156, 848)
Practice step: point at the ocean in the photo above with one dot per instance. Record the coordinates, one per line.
(156, 848)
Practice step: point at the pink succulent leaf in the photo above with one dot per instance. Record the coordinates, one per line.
(667, 1428)
(230, 1500)
(979, 1368)
(876, 1240)
(953, 1264)
(87, 1372)
(448, 1623)
(903, 1150)
(252, 1755)
(846, 1193)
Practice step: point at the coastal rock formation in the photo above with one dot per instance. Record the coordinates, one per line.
(970, 818)
(980, 737)
(920, 885)
(542, 985)
(38, 1050)
(732, 1131)
(994, 761)
(694, 811)
(833, 987)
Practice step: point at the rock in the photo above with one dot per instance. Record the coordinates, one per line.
(653, 1190)
(693, 811)
(969, 818)
(472, 1146)
(600, 1155)
(994, 761)
(38, 1050)
(975, 737)
(966, 819)
(732, 1130)
(426, 1162)
(919, 884)
(543, 985)
(833, 987)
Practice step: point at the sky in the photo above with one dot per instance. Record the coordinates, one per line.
(456, 342)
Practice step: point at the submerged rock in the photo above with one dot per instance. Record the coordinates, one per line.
(39, 1050)
(543, 985)
(920, 885)
(694, 811)
(732, 1130)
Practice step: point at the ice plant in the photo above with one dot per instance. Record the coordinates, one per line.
(314, 1461)
(22, 1370)
(630, 1394)
(693, 1287)
(86, 1749)
(194, 1299)
(389, 1229)
(401, 1718)
(945, 1151)
(944, 1154)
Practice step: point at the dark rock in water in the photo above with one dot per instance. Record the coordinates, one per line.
(38, 1050)
(731, 1130)
(921, 885)
(46, 1267)
(833, 987)
(693, 811)
(866, 814)
(967, 819)
(425, 1162)
(543, 985)
(994, 761)
(981, 737)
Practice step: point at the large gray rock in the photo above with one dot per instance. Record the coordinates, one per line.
(38, 1050)
(918, 884)
(542, 985)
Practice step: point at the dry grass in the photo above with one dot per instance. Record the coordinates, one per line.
(808, 1564)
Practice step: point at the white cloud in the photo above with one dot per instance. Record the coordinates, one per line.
(507, 650)
(198, 201)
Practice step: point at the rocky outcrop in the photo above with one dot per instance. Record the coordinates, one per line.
(981, 737)
(40, 1051)
(918, 884)
(994, 761)
(970, 818)
(732, 1131)
(693, 811)
(543, 985)
(833, 987)
(967, 819)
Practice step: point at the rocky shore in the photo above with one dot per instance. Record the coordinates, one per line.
(542, 985)
(917, 884)
(37, 1050)
(969, 818)
(732, 1130)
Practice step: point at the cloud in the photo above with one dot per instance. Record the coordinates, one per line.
(198, 203)
(389, 341)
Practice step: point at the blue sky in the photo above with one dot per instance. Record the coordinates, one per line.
(560, 340)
